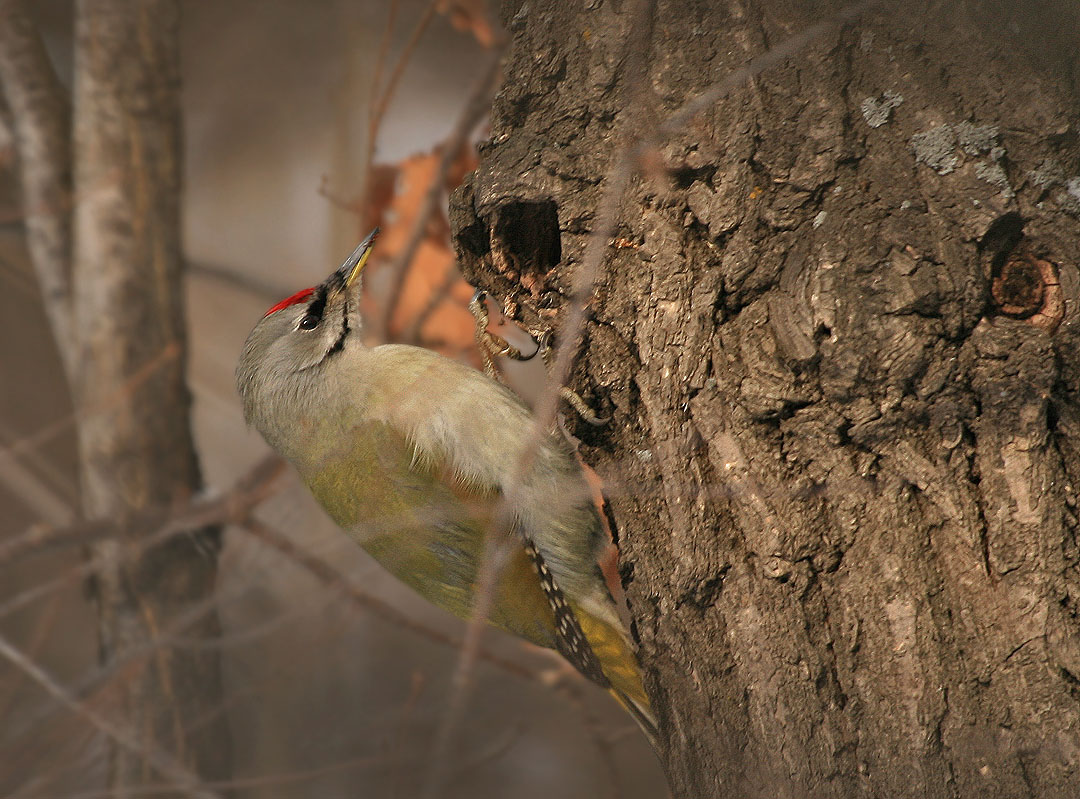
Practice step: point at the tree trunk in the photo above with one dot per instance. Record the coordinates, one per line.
(136, 449)
(836, 334)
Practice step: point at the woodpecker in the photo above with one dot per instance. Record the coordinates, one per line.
(410, 453)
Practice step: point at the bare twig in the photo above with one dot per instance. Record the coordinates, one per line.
(231, 277)
(600, 740)
(500, 538)
(124, 664)
(475, 108)
(127, 739)
(757, 65)
(43, 631)
(397, 746)
(169, 353)
(565, 686)
(623, 168)
(496, 749)
(380, 60)
(438, 295)
(381, 99)
(59, 479)
(41, 114)
(380, 102)
(240, 783)
(330, 577)
(232, 507)
(33, 491)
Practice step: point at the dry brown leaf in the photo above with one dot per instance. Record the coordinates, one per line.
(470, 16)
(397, 193)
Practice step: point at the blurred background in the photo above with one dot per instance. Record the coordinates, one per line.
(290, 156)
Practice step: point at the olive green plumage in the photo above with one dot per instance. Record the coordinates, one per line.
(411, 453)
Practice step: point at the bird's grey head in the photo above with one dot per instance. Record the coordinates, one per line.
(288, 349)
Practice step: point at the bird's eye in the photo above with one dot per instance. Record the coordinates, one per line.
(309, 322)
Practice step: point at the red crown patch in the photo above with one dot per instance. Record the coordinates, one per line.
(299, 296)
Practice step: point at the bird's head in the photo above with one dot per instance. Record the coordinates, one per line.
(288, 349)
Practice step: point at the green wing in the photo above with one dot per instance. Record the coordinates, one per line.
(425, 527)
(428, 528)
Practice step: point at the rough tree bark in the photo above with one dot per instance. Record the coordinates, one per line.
(837, 336)
(116, 303)
(136, 448)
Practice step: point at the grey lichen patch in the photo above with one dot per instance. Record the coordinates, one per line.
(819, 219)
(994, 174)
(876, 112)
(940, 148)
(936, 148)
(1046, 174)
(982, 139)
(976, 139)
(1070, 198)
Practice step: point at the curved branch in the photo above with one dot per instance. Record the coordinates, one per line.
(41, 116)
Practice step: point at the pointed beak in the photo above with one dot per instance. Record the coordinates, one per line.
(349, 271)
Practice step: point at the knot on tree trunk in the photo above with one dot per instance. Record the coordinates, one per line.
(1026, 287)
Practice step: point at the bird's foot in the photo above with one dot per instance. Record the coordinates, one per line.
(492, 346)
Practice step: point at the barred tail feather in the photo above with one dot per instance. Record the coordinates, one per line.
(621, 671)
(595, 646)
(641, 713)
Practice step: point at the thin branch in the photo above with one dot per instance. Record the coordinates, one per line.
(601, 741)
(501, 537)
(41, 115)
(438, 295)
(566, 683)
(388, 92)
(148, 370)
(33, 492)
(622, 170)
(231, 277)
(381, 100)
(476, 107)
(759, 64)
(498, 747)
(43, 631)
(232, 507)
(397, 745)
(161, 761)
(330, 577)
(241, 783)
(59, 480)
(380, 58)
(123, 665)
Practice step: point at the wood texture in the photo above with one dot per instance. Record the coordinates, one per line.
(40, 116)
(841, 468)
(136, 450)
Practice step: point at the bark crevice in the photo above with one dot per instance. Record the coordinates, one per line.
(840, 489)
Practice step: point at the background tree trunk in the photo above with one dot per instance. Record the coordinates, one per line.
(837, 337)
(135, 440)
(115, 304)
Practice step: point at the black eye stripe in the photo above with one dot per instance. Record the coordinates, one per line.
(315, 310)
(318, 305)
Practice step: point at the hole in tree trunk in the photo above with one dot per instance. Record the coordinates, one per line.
(527, 233)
